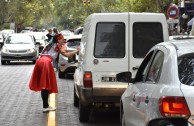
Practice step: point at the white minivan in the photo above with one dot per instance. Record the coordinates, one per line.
(111, 43)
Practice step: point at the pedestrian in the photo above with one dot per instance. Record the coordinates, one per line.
(43, 77)
(49, 35)
(54, 39)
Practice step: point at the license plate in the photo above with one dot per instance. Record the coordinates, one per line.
(108, 79)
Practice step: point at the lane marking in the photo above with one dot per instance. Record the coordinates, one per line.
(52, 114)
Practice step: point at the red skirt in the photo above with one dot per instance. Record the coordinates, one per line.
(43, 76)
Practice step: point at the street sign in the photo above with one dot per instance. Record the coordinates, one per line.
(173, 21)
(189, 8)
(172, 12)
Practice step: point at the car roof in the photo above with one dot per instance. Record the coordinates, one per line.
(182, 46)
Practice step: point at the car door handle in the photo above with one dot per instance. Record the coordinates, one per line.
(134, 99)
(135, 68)
(146, 100)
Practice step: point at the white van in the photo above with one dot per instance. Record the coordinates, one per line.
(111, 43)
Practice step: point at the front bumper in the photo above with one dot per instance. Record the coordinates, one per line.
(18, 56)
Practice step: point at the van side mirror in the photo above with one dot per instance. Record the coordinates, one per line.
(124, 77)
(168, 122)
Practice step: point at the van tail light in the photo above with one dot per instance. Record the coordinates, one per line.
(87, 79)
(173, 106)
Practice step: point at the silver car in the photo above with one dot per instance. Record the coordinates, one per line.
(163, 85)
(19, 47)
(68, 65)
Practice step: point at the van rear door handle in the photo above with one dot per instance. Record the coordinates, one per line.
(134, 99)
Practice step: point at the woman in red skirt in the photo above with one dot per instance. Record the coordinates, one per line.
(43, 76)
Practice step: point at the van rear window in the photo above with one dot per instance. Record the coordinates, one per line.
(110, 40)
(145, 36)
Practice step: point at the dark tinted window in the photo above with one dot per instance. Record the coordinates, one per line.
(73, 43)
(110, 40)
(145, 36)
(186, 69)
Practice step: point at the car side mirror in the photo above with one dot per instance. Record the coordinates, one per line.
(124, 77)
(168, 122)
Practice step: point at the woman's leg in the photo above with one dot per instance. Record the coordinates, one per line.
(45, 95)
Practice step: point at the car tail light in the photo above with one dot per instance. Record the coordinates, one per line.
(87, 79)
(173, 106)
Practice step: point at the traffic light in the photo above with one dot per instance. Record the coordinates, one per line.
(88, 3)
(84, 3)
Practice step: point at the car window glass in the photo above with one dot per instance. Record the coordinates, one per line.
(146, 34)
(110, 40)
(73, 43)
(19, 39)
(155, 67)
(186, 69)
(143, 67)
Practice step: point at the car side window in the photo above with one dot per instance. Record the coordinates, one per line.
(143, 67)
(155, 67)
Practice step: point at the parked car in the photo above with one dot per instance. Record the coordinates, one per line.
(18, 47)
(40, 38)
(1, 39)
(163, 85)
(66, 33)
(68, 65)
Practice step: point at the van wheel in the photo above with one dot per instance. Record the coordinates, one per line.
(60, 74)
(3, 62)
(75, 99)
(84, 113)
(34, 61)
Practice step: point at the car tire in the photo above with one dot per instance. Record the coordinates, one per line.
(34, 61)
(84, 113)
(60, 74)
(75, 99)
(3, 62)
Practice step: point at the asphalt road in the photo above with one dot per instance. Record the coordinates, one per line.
(20, 106)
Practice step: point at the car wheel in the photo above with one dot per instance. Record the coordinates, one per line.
(34, 61)
(84, 113)
(75, 99)
(3, 62)
(60, 74)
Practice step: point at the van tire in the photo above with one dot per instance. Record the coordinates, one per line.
(3, 62)
(84, 113)
(60, 74)
(75, 99)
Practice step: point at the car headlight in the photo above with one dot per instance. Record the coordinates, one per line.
(31, 50)
(4, 50)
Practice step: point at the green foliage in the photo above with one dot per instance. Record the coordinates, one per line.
(71, 13)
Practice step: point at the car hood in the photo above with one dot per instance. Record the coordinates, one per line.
(18, 46)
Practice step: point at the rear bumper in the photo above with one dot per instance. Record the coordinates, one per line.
(109, 95)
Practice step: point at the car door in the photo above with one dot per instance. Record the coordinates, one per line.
(148, 86)
(132, 96)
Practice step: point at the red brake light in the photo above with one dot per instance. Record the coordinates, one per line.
(173, 106)
(87, 80)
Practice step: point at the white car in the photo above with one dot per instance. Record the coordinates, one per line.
(163, 85)
(19, 47)
(68, 65)
(40, 38)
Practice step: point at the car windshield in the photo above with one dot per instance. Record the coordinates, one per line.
(38, 36)
(186, 69)
(19, 39)
(73, 43)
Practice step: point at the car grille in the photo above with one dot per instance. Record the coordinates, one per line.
(22, 57)
(18, 51)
